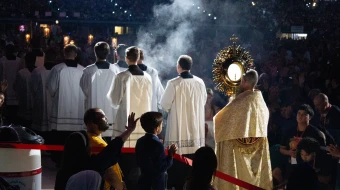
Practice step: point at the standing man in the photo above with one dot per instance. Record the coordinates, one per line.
(329, 118)
(157, 88)
(241, 135)
(184, 99)
(131, 91)
(42, 100)
(23, 90)
(120, 54)
(68, 99)
(96, 81)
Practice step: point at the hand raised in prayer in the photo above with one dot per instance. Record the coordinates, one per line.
(131, 122)
(172, 150)
(334, 150)
(4, 85)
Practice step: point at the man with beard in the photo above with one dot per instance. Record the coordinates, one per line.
(241, 135)
(97, 123)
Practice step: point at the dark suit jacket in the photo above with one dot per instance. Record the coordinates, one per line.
(153, 163)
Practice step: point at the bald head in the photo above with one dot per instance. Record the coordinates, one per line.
(321, 102)
(249, 80)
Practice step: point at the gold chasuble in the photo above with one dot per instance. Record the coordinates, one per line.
(242, 147)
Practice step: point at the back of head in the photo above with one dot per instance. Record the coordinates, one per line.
(185, 61)
(203, 168)
(70, 51)
(50, 55)
(30, 58)
(84, 180)
(303, 177)
(102, 50)
(121, 50)
(10, 49)
(150, 121)
(132, 54)
(251, 77)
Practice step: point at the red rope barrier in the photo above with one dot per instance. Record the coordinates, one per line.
(178, 157)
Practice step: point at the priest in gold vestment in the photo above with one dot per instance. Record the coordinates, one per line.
(241, 135)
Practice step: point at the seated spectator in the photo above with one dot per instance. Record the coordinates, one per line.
(85, 180)
(292, 137)
(97, 123)
(150, 154)
(335, 152)
(310, 152)
(203, 169)
(77, 158)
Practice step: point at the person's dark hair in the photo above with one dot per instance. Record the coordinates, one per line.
(30, 59)
(121, 50)
(10, 49)
(50, 55)
(150, 121)
(307, 109)
(203, 168)
(185, 61)
(102, 50)
(132, 53)
(69, 49)
(251, 77)
(141, 54)
(91, 115)
(309, 145)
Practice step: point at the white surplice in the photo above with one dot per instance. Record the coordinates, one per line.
(130, 93)
(95, 84)
(184, 99)
(68, 99)
(9, 69)
(23, 91)
(42, 100)
(157, 88)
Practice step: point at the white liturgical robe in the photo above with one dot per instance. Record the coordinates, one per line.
(22, 88)
(95, 84)
(68, 99)
(184, 99)
(130, 93)
(42, 100)
(157, 88)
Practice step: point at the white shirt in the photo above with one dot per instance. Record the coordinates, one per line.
(130, 93)
(157, 88)
(96, 83)
(184, 99)
(68, 99)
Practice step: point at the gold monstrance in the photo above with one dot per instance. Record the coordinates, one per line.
(229, 66)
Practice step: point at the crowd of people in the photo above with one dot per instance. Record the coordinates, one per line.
(298, 80)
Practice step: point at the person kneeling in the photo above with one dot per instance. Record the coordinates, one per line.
(150, 154)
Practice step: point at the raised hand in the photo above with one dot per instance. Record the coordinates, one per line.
(132, 122)
(172, 150)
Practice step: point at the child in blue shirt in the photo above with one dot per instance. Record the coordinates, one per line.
(150, 154)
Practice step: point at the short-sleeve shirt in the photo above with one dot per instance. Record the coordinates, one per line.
(293, 134)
